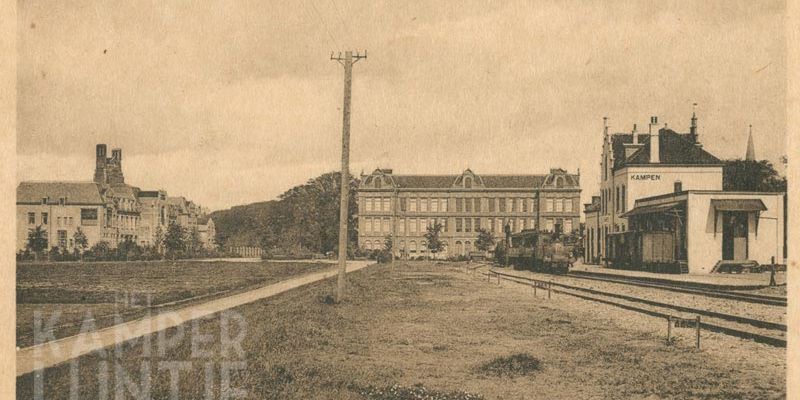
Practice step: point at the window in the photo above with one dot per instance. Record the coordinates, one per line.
(477, 224)
(524, 204)
(459, 223)
(31, 218)
(477, 204)
(434, 205)
(502, 203)
(88, 216)
(467, 224)
(401, 228)
(520, 224)
(491, 224)
(387, 204)
(367, 225)
(403, 204)
(413, 247)
(413, 225)
(532, 224)
(491, 204)
(567, 225)
(44, 218)
(459, 204)
(559, 205)
(549, 205)
(58, 220)
(62, 239)
(568, 205)
(468, 182)
(69, 221)
(499, 226)
(423, 205)
(549, 224)
(444, 205)
(510, 205)
(616, 199)
(468, 205)
(678, 186)
(385, 225)
(368, 204)
(514, 205)
(412, 205)
(624, 206)
(467, 247)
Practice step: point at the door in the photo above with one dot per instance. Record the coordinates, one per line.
(734, 235)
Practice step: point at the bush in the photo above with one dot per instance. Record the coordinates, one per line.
(515, 365)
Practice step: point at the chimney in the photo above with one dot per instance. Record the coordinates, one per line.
(693, 128)
(655, 151)
(635, 135)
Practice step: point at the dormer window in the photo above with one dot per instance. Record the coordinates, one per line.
(377, 183)
(468, 182)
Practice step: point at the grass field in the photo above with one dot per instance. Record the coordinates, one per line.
(431, 331)
(104, 291)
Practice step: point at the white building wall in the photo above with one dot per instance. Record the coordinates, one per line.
(94, 232)
(705, 245)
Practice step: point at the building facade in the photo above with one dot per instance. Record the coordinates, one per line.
(662, 207)
(105, 209)
(636, 165)
(403, 206)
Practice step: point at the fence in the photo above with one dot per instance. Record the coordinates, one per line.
(245, 251)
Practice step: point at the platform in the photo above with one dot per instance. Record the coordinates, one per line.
(748, 281)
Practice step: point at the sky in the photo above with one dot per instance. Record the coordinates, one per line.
(233, 102)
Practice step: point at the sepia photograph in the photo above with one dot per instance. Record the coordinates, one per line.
(373, 200)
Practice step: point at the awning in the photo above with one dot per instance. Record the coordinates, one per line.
(746, 205)
(652, 209)
(750, 205)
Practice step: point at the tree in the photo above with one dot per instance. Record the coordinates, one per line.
(81, 242)
(485, 240)
(158, 240)
(174, 240)
(751, 176)
(388, 243)
(432, 240)
(193, 242)
(37, 241)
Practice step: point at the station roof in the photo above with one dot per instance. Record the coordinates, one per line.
(674, 148)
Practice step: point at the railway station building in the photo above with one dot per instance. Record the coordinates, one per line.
(403, 206)
(661, 208)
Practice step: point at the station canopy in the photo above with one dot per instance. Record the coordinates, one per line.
(750, 205)
(652, 209)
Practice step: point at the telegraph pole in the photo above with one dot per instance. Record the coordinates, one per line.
(347, 62)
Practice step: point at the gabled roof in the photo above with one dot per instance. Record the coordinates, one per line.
(674, 148)
(125, 191)
(75, 192)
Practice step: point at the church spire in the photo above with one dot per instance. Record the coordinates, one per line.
(751, 149)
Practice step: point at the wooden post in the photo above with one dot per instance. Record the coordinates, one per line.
(549, 285)
(534, 288)
(698, 331)
(669, 328)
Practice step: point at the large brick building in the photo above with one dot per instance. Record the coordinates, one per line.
(105, 209)
(404, 205)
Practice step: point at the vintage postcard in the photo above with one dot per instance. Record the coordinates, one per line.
(347, 199)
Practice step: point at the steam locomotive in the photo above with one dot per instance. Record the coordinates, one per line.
(541, 251)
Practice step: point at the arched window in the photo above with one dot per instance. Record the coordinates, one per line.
(413, 246)
(468, 246)
(368, 245)
(459, 248)
(468, 182)
(378, 183)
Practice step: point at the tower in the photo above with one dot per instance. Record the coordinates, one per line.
(100, 164)
(751, 149)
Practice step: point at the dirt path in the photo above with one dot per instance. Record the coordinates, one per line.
(57, 351)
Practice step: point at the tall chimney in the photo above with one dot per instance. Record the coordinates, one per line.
(655, 151)
(635, 135)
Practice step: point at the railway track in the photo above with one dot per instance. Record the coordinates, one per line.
(723, 294)
(745, 297)
(761, 331)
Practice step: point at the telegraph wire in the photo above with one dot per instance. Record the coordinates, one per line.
(325, 24)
